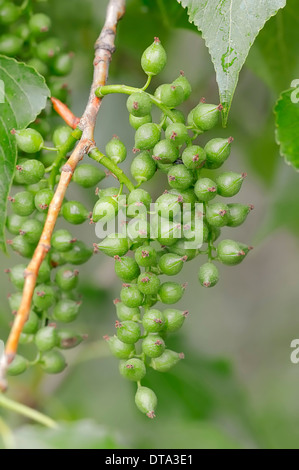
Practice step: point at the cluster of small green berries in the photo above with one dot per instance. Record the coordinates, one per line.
(141, 257)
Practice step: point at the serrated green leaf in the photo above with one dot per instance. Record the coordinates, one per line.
(25, 95)
(287, 125)
(229, 28)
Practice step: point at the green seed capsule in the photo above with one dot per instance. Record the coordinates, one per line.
(78, 254)
(171, 95)
(217, 151)
(153, 321)
(194, 157)
(34, 188)
(87, 175)
(208, 275)
(230, 252)
(46, 338)
(125, 313)
(62, 240)
(138, 197)
(26, 339)
(166, 361)
(43, 297)
(165, 151)
(206, 116)
(105, 207)
(32, 324)
(153, 345)
(184, 83)
(131, 296)
(180, 249)
(143, 167)
(168, 232)
(31, 230)
(29, 140)
(229, 183)
(128, 331)
(137, 122)
(52, 362)
(43, 199)
(68, 339)
(116, 150)
(171, 264)
(66, 311)
(238, 214)
(168, 205)
(10, 45)
(48, 49)
(147, 136)
(217, 214)
(22, 246)
(177, 133)
(62, 64)
(32, 171)
(205, 189)
(148, 283)
(44, 272)
(146, 256)
(23, 203)
(9, 13)
(14, 223)
(179, 177)
(146, 401)
(111, 191)
(23, 32)
(126, 268)
(178, 117)
(119, 349)
(41, 68)
(133, 369)
(153, 59)
(39, 24)
(114, 245)
(139, 104)
(17, 366)
(74, 212)
(174, 319)
(16, 275)
(66, 279)
(170, 292)
(61, 135)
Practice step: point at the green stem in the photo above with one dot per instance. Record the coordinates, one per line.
(99, 157)
(129, 90)
(51, 149)
(148, 81)
(26, 411)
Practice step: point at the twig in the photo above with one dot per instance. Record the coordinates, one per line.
(104, 48)
(64, 112)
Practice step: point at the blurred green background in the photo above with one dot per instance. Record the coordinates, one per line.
(237, 387)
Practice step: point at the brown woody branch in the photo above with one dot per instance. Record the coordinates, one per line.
(104, 48)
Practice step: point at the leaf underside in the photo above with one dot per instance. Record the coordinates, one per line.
(287, 126)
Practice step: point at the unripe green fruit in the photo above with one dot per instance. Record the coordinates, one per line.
(52, 362)
(29, 140)
(66, 279)
(205, 189)
(32, 171)
(111, 191)
(43, 297)
(114, 245)
(61, 135)
(125, 313)
(26, 339)
(165, 151)
(153, 59)
(146, 401)
(217, 151)
(74, 212)
(139, 196)
(238, 214)
(68, 339)
(194, 157)
(62, 64)
(146, 256)
(23, 203)
(41, 68)
(48, 49)
(14, 223)
(168, 205)
(217, 214)
(174, 319)
(179, 177)
(184, 83)
(153, 321)
(39, 24)
(31, 230)
(139, 104)
(66, 311)
(62, 240)
(56, 258)
(22, 246)
(23, 32)
(16, 275)
(44, 273)
(229, 183)
(43, 199)
(180, 249)
(170, 292)
(128, 331)
(215, 233)
(32, 324)
(17, 366)
(166, 361)
(230, 252)
(119, 349)
(105, 207)
(190, 120)
(34, 188)
(137, 122)
(46, 338)
(133, 369)
(171, 264)
(58, 89)
(168, 232)
(208, 275)
(10, 45)
(9, 13)
(131, 296)
(171, 95)
(147, 136)
(178, 115)
(14, 301)
(126, 268)
(177, 133)
(153, 345)
(78, 254)
(148, 283)
(143, 167)
(206, 116)
(116, 150)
